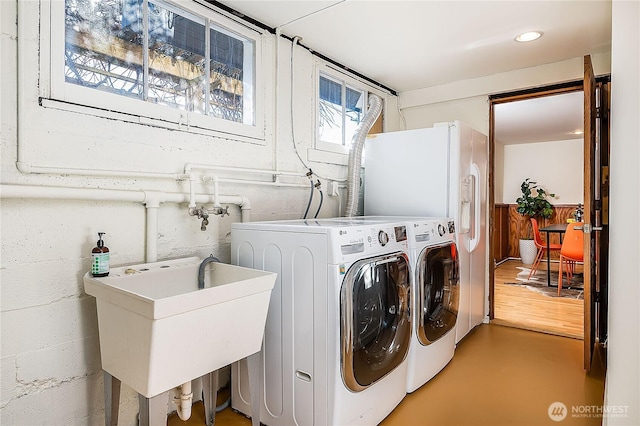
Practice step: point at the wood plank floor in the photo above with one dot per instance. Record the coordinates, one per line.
(520, 307)
(499, 376)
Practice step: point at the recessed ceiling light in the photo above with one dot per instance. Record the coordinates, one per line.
(577, 132)
(528, 36)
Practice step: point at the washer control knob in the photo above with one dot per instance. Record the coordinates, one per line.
(383, 238)
(441, 230)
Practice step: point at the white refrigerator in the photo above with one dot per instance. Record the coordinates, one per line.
(437, 172)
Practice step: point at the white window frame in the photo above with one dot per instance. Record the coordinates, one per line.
(57, 93)
(330, 151)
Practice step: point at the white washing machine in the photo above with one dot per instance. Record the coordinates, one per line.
(338, 328)
(435, 295)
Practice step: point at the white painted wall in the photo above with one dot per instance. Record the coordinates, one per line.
(623, 372)
(50, 362)
(525, 78)
(556, 166)
(498, 173)
(473, 111)
(467, 100)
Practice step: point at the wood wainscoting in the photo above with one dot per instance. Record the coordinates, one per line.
(509, 224)
(501, 232)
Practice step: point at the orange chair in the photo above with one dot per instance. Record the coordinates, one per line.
(542, 247)
(572, 251)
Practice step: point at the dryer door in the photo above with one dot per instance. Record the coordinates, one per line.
(375, 327)
(438, 288)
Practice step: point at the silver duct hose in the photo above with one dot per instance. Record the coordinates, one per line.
(355, 154)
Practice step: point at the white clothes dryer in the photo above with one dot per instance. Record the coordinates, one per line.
(338, 327)
(435, 298)
(435, 295)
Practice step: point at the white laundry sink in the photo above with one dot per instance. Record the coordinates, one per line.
(159, 330)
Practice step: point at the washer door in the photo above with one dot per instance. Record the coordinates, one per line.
(375, 327)
(438, 279)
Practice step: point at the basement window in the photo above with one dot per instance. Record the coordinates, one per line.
(341, 107)
(171, 61)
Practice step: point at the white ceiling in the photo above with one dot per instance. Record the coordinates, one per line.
(409, 45)
(551, 118)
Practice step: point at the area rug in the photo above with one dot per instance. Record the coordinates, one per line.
(538, 283)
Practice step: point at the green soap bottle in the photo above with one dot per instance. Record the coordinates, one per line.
(100, 258)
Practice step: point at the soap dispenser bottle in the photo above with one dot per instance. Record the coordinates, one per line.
(100, 258)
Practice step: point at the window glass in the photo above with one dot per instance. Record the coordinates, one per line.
(230, 94)
(160, 53)
(176, 59)
(340, 109)
(330, 111)
(103, 47)
(354, 111)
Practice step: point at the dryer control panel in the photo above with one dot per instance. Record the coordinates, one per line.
(356, 242)
(430, 231)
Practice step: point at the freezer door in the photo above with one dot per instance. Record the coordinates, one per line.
(408, 173)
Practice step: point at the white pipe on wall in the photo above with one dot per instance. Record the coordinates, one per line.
(216, 192)
(27, 167)
(50, 192)
(192, 166)
(152, 204)
(242, 181)
(151, 199)
(89, 194)
(192, 191)
(276, 100)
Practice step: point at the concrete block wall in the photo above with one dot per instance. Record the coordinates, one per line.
(49, 354)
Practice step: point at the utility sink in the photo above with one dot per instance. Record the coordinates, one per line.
(158, 330)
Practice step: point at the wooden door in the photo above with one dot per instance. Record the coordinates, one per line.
(596, 155)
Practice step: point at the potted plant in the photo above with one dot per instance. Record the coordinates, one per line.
(531, 206)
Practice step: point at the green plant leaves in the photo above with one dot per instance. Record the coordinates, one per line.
(530, 205)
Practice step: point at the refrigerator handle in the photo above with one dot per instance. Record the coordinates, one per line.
(466, 204)
(476, 205)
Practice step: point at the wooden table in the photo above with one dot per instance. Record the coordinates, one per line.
(558, 228)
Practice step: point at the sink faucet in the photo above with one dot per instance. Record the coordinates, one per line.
(203, 266)
(203, 213)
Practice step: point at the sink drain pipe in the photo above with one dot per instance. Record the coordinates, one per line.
(185, 401)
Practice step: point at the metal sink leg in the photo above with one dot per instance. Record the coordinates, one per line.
(111, 399)
(255, 389)
(210, 396)
(153, 411)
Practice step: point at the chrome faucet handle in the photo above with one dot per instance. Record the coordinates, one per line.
(221, 211)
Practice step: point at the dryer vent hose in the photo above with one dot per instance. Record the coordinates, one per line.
(355, 154)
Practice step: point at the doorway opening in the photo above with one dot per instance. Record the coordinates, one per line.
(596, 142)
(535, 134)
